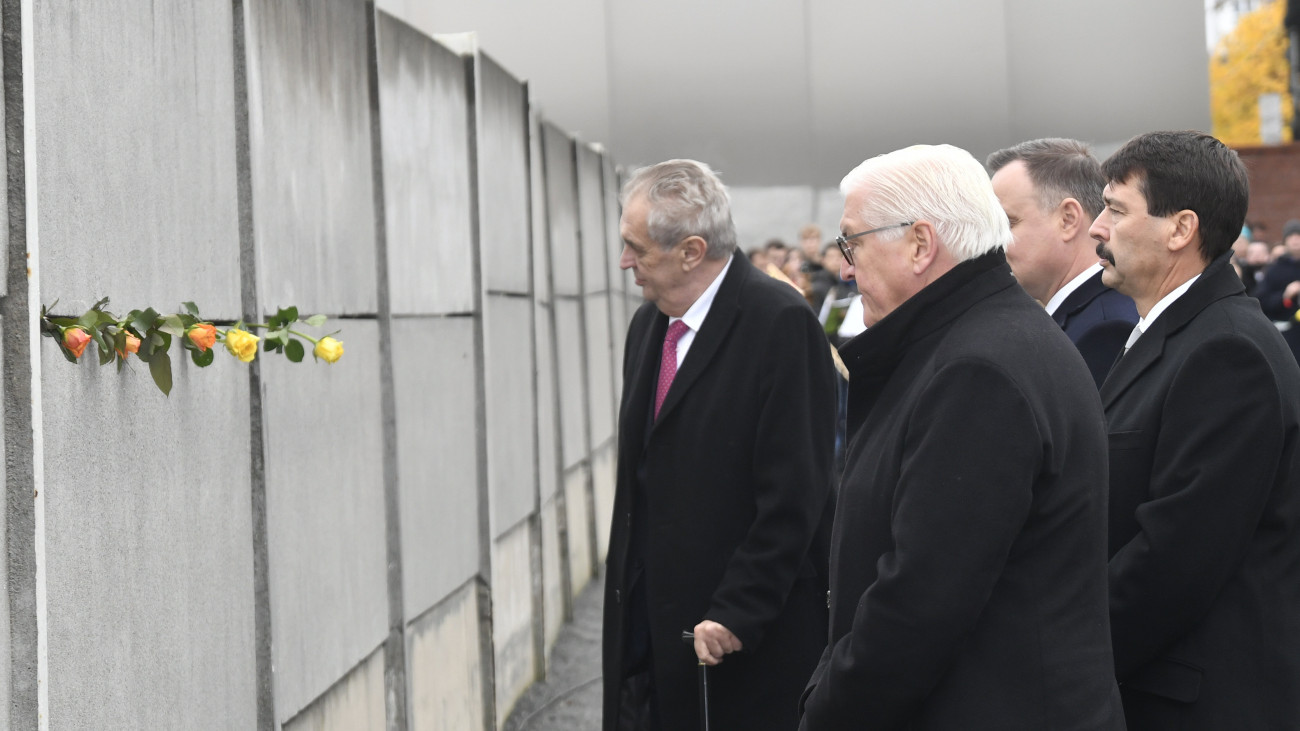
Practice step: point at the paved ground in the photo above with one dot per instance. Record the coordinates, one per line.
(569, 698)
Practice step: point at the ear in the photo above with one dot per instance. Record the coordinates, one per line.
(1186, 231)
(1069, 217)
(692, 251)
(924, 248)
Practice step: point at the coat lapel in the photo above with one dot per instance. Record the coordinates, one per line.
(1080, 298)
(722, 313)
(636, 404)
(1218, 280)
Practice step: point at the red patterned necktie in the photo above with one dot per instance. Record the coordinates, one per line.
(668, 362)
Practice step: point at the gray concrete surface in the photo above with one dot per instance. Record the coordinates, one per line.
(147, 557)
(136, 156)
(325, 516)
(313, 180)
(569, 698)
(423, 98)
(434, 371)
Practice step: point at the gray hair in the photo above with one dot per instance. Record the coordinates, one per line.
(1059, 168)
(941, 184)
(686, 199)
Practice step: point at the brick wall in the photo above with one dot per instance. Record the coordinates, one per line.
(1274, 188)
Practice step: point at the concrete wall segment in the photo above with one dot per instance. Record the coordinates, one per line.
(434, 371)
(325, 516)
(148, 558)
(512, 615)
(503, 179)
(511, 406)
(562, 210)
(311, 155)
(443, 652)
(572, 382)
(355, 703)
(423, 99)
(135, 155)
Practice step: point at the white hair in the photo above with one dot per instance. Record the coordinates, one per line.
(941, 184)
(686, 199)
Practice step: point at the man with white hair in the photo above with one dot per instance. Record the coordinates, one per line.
(968, 555)
(722, 508)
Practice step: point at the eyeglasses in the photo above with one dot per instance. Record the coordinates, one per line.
(847, 250)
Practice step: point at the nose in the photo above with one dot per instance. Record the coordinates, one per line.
(1099, 230)
(846, 270)
(625, 258)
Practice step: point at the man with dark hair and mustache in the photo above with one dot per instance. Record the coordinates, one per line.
(1203, 415)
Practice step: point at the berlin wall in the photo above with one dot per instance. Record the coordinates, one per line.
(389, 542)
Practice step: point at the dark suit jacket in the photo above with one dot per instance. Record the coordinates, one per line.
(735, 501)
(968, 557)
(1098, 321)
(1204, 421)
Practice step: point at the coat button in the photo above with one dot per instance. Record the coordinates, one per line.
(828, 600)
(618, 597)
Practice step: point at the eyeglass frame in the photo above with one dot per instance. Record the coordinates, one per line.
(843, 241)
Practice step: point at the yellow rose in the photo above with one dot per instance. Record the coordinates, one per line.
(242, 345)
(328, 349)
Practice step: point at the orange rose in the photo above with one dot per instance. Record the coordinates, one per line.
(132, 346)
(203, 335)
(75, 340)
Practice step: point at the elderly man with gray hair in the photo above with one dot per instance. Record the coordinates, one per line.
(968, 555)
(722, 507)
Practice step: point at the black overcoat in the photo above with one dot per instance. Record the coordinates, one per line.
(968, 557)
(1098, 320)
(1204, 421)
(737, 499)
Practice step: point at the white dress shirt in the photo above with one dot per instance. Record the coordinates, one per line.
(1059, 298)
(694, 317)
(1161, 306)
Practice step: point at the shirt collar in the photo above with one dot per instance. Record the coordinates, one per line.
(1163, 304)
(694, 316)
(1058, 299)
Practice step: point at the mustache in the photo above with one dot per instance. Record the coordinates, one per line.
(1104, 253)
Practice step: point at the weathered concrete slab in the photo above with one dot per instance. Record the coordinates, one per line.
(573, 386)
(148, 546)
(580, 526)
(553, 588)
(443, 660)
(356, 703)
(512, 615)
(136, 155)
(503, 178)
(434, 372)
(548, 436)
(309, 129)
(326, 534)
(591, 220)
(562, 210)
(600, 365)
(603, 474)
(424, 114)
(511, 420)
(619, 280)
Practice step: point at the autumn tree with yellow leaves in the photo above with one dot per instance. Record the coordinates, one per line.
(1249, 61)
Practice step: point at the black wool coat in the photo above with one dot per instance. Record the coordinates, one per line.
(737, 501)
(1204, 421)
(1098, 320)
(968, 557)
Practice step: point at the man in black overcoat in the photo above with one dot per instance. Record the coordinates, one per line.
(723, 500)
(1203, 412)
(1051, 192)
(968, 556)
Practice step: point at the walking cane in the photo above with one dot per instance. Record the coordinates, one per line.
(703, 673)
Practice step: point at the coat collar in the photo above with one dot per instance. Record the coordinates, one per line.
(722, 313)
(878, 350)
(1081, 297)
(1218, 281)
